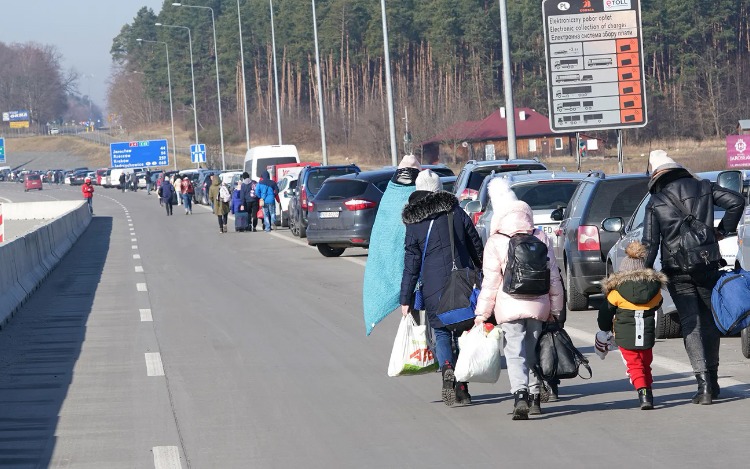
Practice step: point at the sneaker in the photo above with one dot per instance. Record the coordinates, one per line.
(449, 385)
(536, 405)
(521, 406)
(462, 394)
(646, 399)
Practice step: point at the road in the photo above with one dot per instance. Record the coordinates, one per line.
(158, 342)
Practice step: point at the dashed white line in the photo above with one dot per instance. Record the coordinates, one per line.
(141, 287)
(146, 315)
(135, 246)
(133, 240)
(167, 457)
(139, 269)
(136, 256)
(130, 224)
(154, 366)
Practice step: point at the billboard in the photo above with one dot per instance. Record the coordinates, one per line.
(738, 151)
(19, 124)
(15, 116)
(142, 154)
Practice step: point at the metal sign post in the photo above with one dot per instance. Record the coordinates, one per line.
(595, 74)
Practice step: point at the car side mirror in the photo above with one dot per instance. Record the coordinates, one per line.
(473, 207)
(463, 203)
(557, 214)
(612, 225)
(731, 180)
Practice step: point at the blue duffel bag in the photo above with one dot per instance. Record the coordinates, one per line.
(730, 301)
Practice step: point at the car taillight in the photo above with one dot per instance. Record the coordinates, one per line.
(310, 206)
(588, 238)
(303, 199)
(468, 194)
(359, 204)
(475, 217)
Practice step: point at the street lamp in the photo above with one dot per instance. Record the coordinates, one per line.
(218, 87)
(510, 115)
(171, 109)
(320, 89)
(192, 73)
(275, 74)
(244, 86)
(389, 87)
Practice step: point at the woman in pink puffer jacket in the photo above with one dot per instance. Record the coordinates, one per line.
(520, 316)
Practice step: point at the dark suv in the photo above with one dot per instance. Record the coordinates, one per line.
(473, 173)
(582, 244)
(309, 182)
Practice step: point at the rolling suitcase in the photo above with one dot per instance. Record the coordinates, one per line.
(241, 221)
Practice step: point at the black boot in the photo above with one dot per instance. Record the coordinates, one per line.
(449, 385)
(462, 394)
(646, 398)
(536, 405)
(714, 378)
(521, 406)
(703, 396)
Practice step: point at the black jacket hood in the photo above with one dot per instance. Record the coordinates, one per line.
(658, 183)
(431, 204)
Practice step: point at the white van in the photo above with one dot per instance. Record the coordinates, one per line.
(114, 176)
(259, 158)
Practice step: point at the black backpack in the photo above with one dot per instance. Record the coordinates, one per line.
(697, 250)
(527, 271)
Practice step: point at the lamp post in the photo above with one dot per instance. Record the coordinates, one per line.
(510, 115)
(320, 89)
(192, 72)
(171, 108)
(389, 87)
(218, 87)
(244, 86)
(275, 74)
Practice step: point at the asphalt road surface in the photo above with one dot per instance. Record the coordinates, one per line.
(158, 342)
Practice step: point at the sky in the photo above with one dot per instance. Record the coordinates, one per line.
(82, 31)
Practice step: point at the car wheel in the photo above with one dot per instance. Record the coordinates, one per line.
(745, 342)
(328, 251)
(293, 227)
(668, 326)
(302, 230)
(576, 300)
(284, 219)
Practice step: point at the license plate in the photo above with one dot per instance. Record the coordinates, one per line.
(329, 214)
(547, 229)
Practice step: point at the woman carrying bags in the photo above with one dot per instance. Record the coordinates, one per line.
(520, 316)
(427, 215)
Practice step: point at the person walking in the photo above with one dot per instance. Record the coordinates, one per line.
(187, 195)
(676, 194)
(88, 194)
(428, 227)
(148, 182)
(221, 200)
(178, 188)
(250, 199)
(122, 181)
(167, 193)
(520, 316)
(632, 297)
(267, 191)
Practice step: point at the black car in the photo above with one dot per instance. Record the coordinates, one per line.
(344, 211)
(309, 182)
(201, 185)
(78, 177)
(582, 243)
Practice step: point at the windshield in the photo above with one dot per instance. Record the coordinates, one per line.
(546, 196)
(341, 189)
(316, 178)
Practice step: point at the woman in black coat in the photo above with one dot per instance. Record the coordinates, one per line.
(430, 205)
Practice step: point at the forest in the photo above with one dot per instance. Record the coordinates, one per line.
(446, 62)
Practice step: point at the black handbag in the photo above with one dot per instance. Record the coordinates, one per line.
(458, 300)
(556, 356)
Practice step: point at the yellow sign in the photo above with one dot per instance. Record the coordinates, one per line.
(19, 125)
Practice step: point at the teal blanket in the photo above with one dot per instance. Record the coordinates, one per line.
(385, 257)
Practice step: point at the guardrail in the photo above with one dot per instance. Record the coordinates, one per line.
(26, 261)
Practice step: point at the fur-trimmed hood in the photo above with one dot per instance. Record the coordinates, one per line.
(644, 276)
(429, 206)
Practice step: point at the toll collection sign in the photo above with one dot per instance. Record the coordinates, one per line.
(594, 55)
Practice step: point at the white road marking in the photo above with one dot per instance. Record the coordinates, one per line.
(7, 200)
(141, 287)
(136, 256)
(139, 269)
(302, 243)
(154, 366)
(133, 240)
(166, 457)
(130, 224)
(135, 246)
(146, 315)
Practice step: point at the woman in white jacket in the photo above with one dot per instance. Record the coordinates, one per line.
(520, 316)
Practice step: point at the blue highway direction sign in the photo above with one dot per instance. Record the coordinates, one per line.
(198, 153)
(2, 150)
(142, 154)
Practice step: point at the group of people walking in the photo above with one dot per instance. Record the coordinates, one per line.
(632, 295)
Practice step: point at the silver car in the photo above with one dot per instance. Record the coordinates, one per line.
(667, 321)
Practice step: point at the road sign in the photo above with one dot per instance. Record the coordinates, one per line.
(738, 151)
(2, 150)
(198, 153)
(595, 76)
(146, 154)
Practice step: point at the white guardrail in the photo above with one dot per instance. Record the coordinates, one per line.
(26, 261)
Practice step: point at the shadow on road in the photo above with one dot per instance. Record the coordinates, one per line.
(39, 349)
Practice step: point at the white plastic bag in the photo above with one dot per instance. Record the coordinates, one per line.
(411, 354)
(479, 357)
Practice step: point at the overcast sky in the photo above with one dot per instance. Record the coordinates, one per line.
(82, 30)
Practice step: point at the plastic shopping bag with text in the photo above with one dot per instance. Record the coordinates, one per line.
(411, 354)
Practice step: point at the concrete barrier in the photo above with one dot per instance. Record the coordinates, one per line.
(26, 261)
